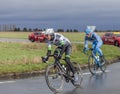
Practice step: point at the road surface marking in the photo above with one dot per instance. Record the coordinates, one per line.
(88, 73)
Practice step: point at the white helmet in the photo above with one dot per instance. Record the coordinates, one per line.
(49, 31)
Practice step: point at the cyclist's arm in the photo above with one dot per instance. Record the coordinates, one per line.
(96, 37)
(98, 40)
(63, 46)
(86, 42)
(49, 49)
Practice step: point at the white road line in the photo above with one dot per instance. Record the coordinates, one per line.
(7, 82)
(88, 73)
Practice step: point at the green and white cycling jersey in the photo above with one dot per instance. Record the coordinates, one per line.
(63, 46)
(58, 40)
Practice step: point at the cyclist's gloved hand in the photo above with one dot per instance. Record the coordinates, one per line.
(44, 59)
(85, 50)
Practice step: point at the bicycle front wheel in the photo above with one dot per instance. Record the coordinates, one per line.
(93, 67)
(103, 65)
(54, 78)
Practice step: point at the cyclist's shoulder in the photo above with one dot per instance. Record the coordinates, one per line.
(58, 34)
(94, 34)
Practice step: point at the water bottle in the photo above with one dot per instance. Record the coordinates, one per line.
(97, 57)
(64, 67)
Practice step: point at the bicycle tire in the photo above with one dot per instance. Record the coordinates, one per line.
(104, 65)
(92, 66)
(52, 73)
(79, 72)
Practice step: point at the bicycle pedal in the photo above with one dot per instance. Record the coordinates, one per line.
(66, 79)
(97, 66)
(55, 77)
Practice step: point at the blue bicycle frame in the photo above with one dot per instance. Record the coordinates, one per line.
(95, 58)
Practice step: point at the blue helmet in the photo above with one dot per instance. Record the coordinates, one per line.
(88, 31)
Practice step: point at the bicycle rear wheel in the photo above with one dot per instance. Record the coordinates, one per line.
(93, 67)
(54, 78)
(79, 73)
(103, 65)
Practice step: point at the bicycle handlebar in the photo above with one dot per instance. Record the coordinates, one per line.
(56, 57)
(90, 49)
(43, 59)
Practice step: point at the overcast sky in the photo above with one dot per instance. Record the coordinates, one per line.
(72, 14)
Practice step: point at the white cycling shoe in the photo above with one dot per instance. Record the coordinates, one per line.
(76, 82)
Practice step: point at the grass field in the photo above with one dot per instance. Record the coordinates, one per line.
(24, 57)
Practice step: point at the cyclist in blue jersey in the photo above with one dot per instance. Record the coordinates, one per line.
(95, 39)
(62, 43)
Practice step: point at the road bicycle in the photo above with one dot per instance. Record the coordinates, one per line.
(95, 62)
(57, 73)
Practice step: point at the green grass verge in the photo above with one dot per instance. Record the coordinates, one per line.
(24, 57)
(78, 36)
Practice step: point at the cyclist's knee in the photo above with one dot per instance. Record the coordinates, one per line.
(67, 58)
(97, 49)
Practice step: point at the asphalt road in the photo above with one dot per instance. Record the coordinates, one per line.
(13, 40)
(24, 40)
(102, 83)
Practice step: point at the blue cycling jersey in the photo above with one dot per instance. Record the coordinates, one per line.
(95, 39)
(96, 43)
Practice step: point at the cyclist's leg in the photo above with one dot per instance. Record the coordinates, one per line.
(67, 58)
(99, 51)
(98, 48)
(67, 51)
(93, 47)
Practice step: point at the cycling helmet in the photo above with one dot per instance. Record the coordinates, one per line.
(49, 31)
(90, 29)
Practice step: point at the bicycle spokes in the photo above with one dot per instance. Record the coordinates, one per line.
(94, 65)
(54, 78)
